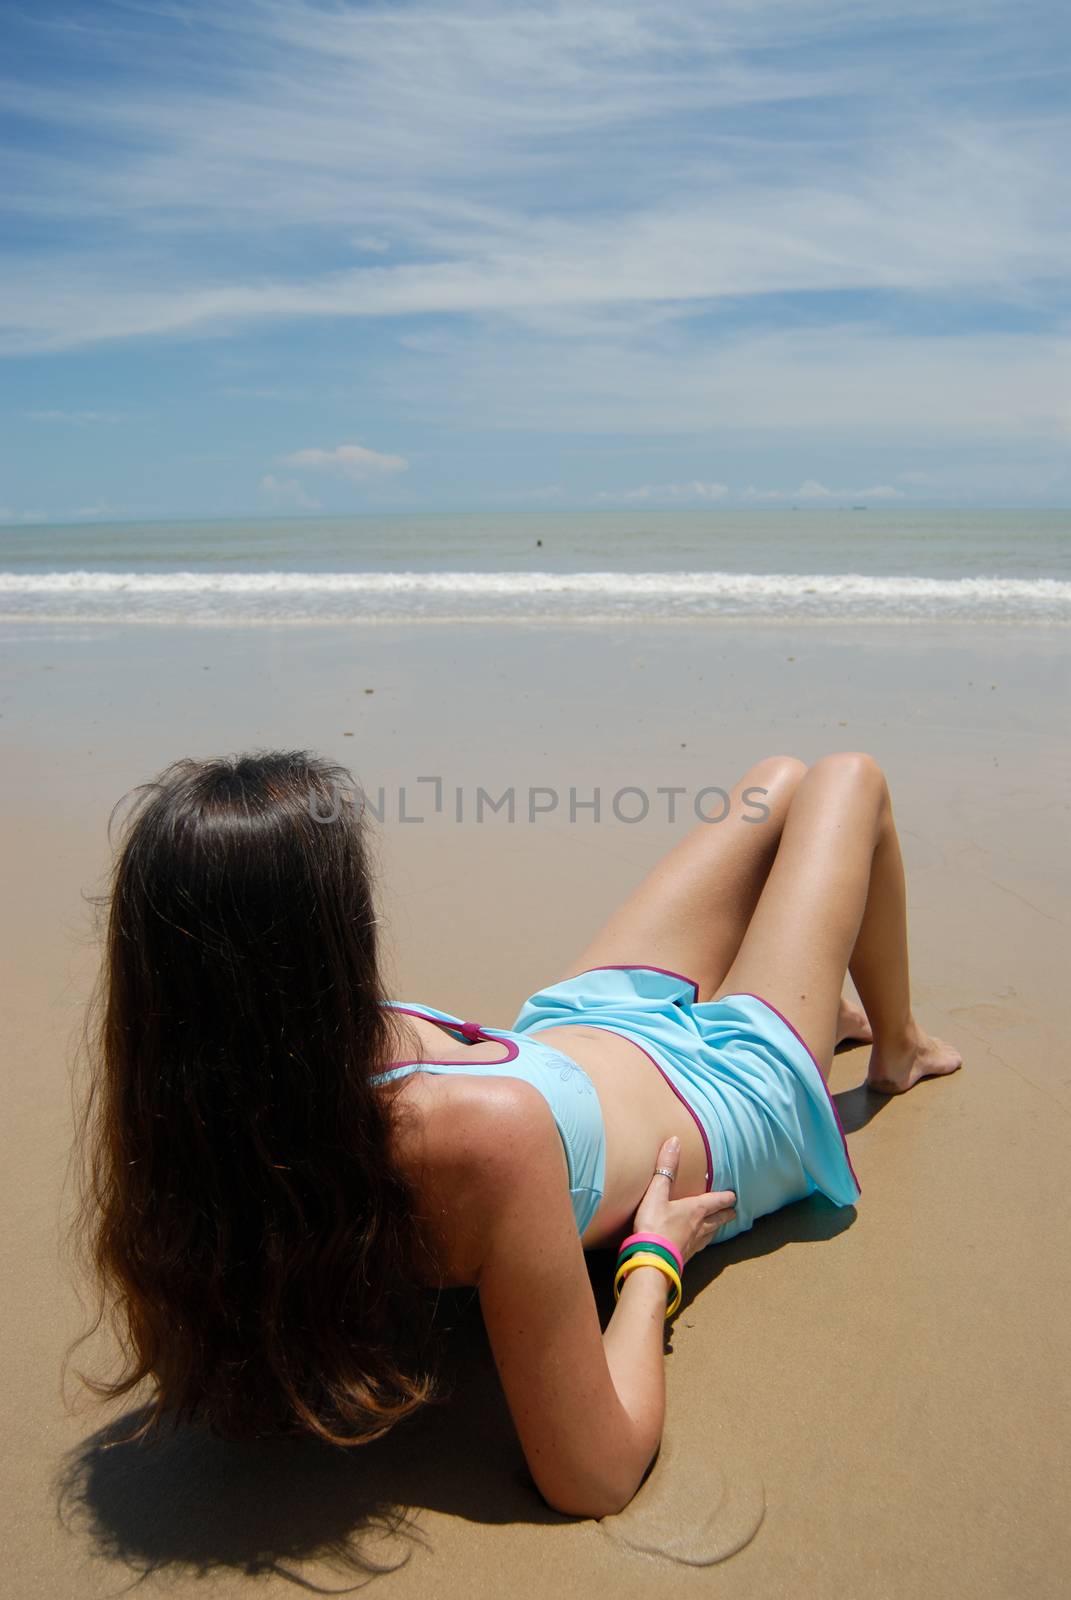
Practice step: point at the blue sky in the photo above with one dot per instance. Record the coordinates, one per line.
(261, 257)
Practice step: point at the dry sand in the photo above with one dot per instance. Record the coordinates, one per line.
(868, 1402)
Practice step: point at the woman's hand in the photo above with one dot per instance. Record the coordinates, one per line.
(689, 1223)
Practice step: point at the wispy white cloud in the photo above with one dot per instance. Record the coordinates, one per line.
(748, 220)
(937, 221)
(811, 490)
(547, 493)
(8, 515)
(351, 461)
(638, 158)
(666, 491)
(843, 380)
(287, 492)
(78, 419)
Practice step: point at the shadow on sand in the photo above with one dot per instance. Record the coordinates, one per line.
(331, 1520)
(856, 1107)
(187, 1502)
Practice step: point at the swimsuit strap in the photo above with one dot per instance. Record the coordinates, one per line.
(471, 1032)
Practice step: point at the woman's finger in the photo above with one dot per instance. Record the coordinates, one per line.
(669, 1153)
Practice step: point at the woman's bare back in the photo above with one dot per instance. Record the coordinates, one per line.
(639, 1111)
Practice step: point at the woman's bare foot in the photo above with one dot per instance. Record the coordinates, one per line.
(852, 1024)
(896, 1071)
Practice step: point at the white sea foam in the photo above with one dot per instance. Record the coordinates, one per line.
(250, 596)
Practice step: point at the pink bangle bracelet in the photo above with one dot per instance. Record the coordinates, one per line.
(654, 1238)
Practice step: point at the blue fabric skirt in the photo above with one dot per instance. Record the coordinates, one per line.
(769, 1127)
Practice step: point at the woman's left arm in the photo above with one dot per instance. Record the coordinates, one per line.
(588, 1414)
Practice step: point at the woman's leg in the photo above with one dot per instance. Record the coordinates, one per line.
(835, 897)
(692, 910)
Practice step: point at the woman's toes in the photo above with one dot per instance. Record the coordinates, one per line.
(939, 1057)
(930, 1058)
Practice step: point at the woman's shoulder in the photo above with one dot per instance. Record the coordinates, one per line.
(454, 1144)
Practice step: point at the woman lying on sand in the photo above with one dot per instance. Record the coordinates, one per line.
(282, 1161)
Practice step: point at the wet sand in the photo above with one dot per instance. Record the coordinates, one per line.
(865, 1401)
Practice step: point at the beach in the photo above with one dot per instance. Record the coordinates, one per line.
(543, 414)
(863, 1401)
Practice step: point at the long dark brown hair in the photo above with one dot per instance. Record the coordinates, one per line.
(248, 1225)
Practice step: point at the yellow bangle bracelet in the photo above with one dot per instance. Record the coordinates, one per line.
(649, 1259)
(643, 1258)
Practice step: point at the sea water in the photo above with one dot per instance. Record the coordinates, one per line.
(826, 564)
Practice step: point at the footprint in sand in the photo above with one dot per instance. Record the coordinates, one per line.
(690, 1512)
(989, 1018)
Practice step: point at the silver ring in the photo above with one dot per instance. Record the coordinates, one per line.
(664, 1172)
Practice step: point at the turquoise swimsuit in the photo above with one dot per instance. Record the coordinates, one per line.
(565, 1086)
(769, 1127)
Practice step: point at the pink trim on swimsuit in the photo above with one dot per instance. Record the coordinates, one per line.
(470, 1030)
(638, 966)
(641, 966)
(832, 1103)
(587, 1023)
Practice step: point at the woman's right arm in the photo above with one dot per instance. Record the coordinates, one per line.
(689, 1224)
(588, 1409)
